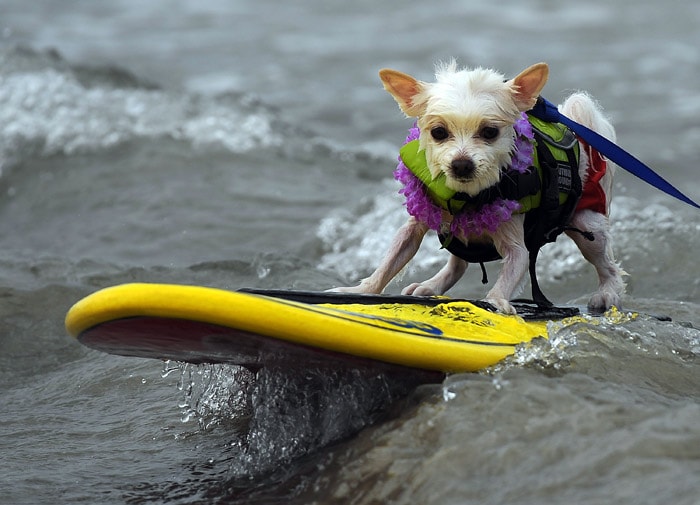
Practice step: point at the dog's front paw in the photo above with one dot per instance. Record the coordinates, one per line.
(603, 300)
(418, 289)
(502, 305)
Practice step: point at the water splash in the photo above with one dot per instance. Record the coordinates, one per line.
(212, 394)
(277, 415)
(634, 341)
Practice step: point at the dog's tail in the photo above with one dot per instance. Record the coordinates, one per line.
(583, 109)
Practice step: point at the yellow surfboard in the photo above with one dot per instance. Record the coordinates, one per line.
(258, 328)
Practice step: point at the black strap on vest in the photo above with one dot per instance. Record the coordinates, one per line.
(545, 223)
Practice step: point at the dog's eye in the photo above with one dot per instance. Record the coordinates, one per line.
(489, 132)
(439, 133)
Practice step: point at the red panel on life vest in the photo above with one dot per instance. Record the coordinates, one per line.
(593, 196)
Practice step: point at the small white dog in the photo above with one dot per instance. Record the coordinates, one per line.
(474, 140)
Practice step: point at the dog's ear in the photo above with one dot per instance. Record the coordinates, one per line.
(407, 91)
(528, 84)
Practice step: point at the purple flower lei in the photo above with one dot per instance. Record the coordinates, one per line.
(472, 222)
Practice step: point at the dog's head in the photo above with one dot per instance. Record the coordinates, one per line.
(466, 119)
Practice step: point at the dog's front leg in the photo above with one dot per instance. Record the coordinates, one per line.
(404, 246)
(442, 281)
(509, 240)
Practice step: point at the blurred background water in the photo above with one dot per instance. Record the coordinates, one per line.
(232, 144)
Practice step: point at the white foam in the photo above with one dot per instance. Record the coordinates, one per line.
(51, 112)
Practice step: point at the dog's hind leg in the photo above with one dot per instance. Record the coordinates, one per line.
(600, 254)
(442, 281)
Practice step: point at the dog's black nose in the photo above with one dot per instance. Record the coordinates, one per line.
(462, 168)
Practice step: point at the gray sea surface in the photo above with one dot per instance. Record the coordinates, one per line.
(250, 144)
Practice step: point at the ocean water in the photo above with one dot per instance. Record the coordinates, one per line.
(239, 144)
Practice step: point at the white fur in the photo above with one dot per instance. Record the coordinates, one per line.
(468, 105)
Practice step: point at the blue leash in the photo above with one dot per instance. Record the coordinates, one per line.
(547, 111)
